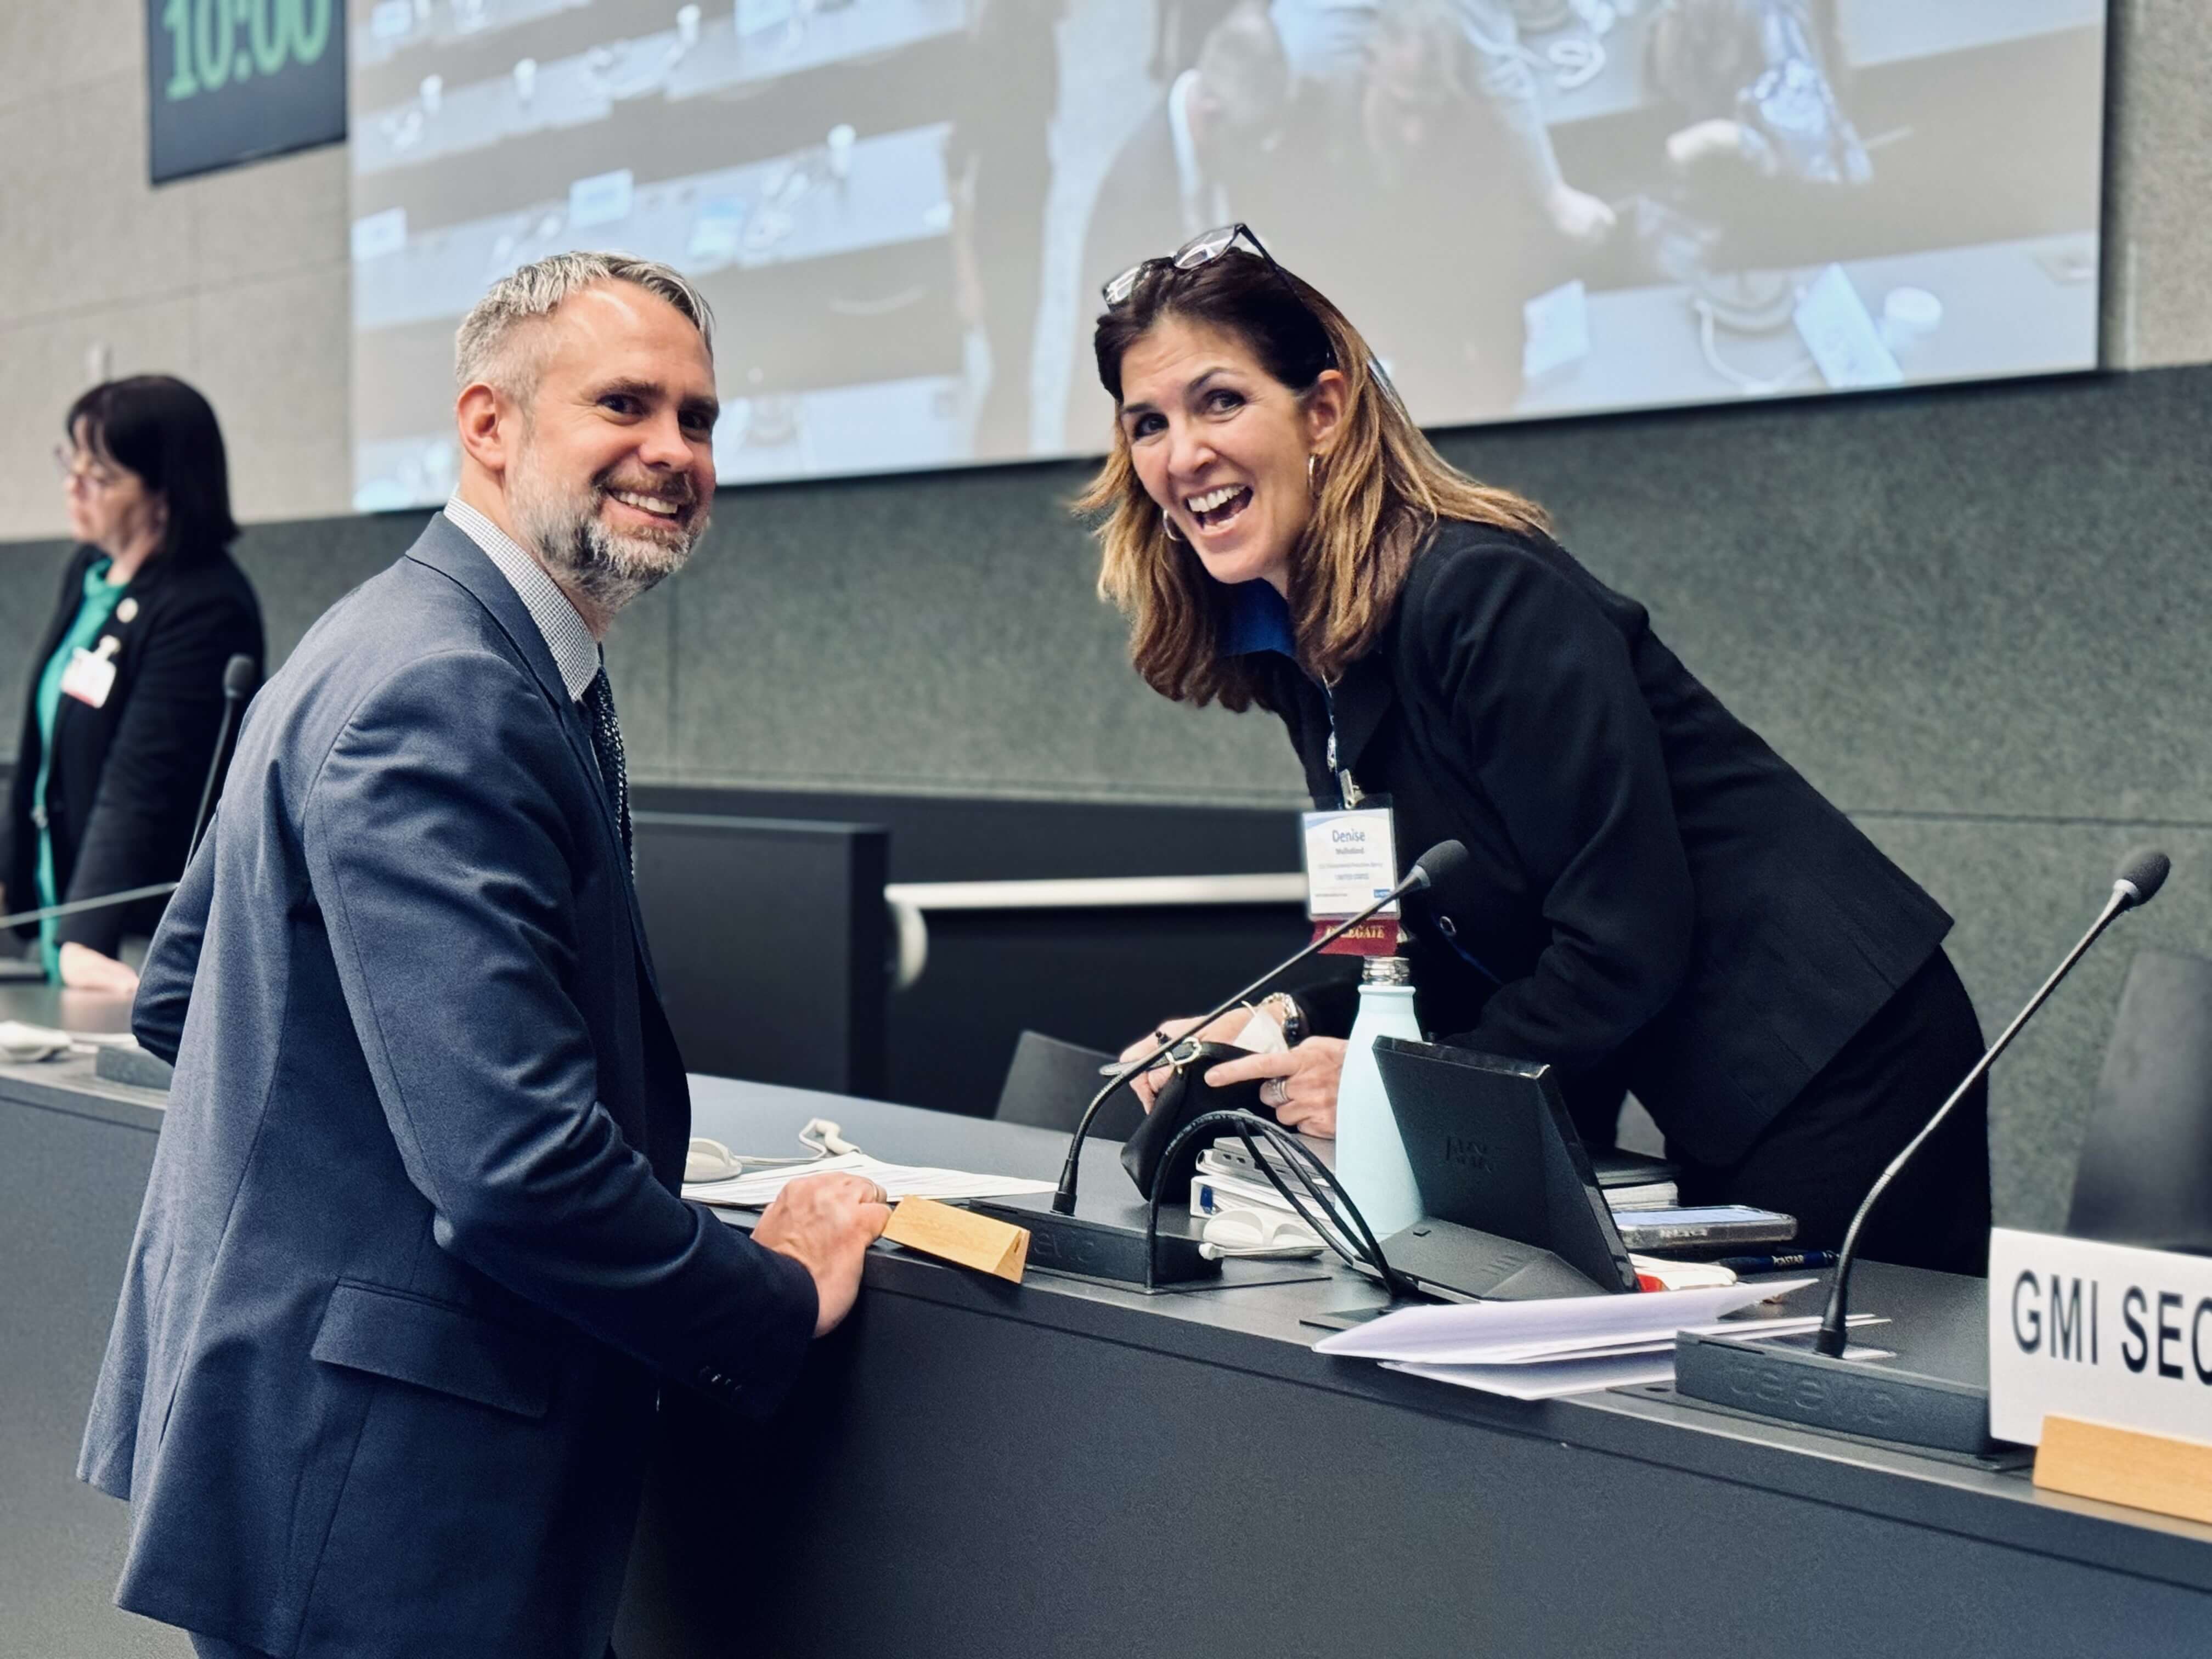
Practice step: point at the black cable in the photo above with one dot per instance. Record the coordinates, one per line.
(1228, 1118)
(1334, 1229)
(1326, 1226)
(1441, 860)
(1343, 1218)
(1302, 1158)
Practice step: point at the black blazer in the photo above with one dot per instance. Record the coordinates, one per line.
(1654, 898)
(127, 777)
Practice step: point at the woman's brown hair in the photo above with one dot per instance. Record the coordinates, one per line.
(1382, 489)
(163, 430)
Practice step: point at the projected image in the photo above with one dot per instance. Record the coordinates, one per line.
(902, 210)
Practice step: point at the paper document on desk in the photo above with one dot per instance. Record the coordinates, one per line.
(1554, 1376)
(1554, 1379)
(1750, 1329)
(1473, 1333)
(756, 1190)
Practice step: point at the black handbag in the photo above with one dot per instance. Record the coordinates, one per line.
(1185, 1095)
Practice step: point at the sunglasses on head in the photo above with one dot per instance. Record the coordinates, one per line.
(1202, 249)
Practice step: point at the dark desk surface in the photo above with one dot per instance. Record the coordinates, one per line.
(949, 1435)
(34, 1002)
(1257, 1329)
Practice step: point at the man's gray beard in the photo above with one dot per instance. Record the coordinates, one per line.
(608, 567)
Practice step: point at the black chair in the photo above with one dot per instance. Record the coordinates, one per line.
(2145, 1174)
(1051, 1082)
(771, 939)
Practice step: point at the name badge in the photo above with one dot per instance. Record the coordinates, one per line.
(90, 676)
(1350, 861)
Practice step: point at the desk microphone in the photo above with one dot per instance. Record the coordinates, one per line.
(1438, 862)
(77, 907)
(2134, 884)
(1816, 1385)
(1109, 1250)
(239, 675)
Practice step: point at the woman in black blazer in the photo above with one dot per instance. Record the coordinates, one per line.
(1654, 900)
(125, 696)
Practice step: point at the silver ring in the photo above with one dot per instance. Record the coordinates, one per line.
(1278, 1091)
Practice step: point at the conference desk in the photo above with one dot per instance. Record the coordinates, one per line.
(1065, 1468)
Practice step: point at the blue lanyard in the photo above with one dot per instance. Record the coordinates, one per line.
(1450, 932)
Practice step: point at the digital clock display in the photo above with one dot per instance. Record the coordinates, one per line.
(233, 80)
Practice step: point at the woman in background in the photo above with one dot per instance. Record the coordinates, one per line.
(1653, 900)
(125, 696)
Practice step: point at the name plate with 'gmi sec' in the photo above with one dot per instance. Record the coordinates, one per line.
(2104, 1333)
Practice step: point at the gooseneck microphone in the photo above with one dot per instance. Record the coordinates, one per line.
(1438, 863)
(75, 907)
(2134, 884)
(239, 675)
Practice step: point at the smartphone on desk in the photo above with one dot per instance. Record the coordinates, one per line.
(1703, 1227)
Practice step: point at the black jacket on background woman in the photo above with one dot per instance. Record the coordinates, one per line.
(127, 777)
(1654, 899)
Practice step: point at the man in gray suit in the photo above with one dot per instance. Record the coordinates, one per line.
(412, 1262)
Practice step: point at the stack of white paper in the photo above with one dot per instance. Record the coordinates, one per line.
(756, 1190)
(1573, 1345)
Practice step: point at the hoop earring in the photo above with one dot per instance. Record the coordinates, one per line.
(1313, 476)
(1168, 529)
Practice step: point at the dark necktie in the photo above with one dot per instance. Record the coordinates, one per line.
(607, 746)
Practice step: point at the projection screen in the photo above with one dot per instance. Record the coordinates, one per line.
(902, 210)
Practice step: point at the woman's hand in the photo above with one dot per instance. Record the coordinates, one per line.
(1305, 1098)
(1577, 217)
(1147, 1087)
(84, 969)
(1702, 141)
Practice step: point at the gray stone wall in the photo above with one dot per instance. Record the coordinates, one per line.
(1975, 618)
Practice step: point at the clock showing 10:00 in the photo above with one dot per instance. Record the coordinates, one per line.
(230, 81)
(212, 42)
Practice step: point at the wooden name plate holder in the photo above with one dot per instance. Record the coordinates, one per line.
(2155, 1471)
(997, 1248)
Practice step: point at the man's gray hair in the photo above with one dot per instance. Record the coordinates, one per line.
(482, 347)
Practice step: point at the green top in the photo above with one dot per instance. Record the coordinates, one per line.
(100, 599)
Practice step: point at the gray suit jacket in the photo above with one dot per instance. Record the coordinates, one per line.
(411, 1255)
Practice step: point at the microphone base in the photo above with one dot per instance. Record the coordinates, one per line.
(1096, 1248)
(117, 1062)
(1783, 1378)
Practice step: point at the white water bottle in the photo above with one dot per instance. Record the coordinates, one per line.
(1371, 1157)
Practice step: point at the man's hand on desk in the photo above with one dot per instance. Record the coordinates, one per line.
(825, 1224)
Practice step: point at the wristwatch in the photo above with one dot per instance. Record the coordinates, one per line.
(1283, 1008)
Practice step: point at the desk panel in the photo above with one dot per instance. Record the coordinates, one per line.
(971, 1483)
(74, 1158)
(971, 1467)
